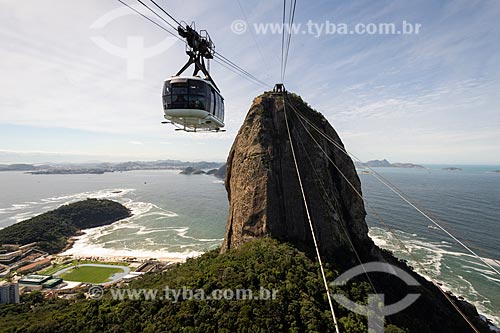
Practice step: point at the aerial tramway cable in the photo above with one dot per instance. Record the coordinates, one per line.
(283, 39)
(159, 16)
(290, 30)
(163, 10)
(218, 56)
(311, 224)
(329, 202)
(149, 19)
(378, 215)
(401, 194)
(257, 45)
(285, 42)
(244, 72)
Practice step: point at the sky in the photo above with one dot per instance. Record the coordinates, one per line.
(75, 85)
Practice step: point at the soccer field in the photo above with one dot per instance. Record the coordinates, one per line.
(91, 274)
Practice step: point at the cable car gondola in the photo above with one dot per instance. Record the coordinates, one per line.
(192, 102)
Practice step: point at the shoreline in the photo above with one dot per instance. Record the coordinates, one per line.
(132, 257)
(119, 258)
(445, 287)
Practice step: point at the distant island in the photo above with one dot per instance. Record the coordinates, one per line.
(52, 230)
(386, 164)
(70, 172)
(101, 168)
(17, 167)
(452, 169)
(219, 173)
(192, 171)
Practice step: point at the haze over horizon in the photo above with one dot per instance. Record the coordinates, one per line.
(426, 98)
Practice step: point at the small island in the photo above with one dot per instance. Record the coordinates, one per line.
(52, 230)
(452, 169)
(192, 171)
(219, 173)
(386, 164)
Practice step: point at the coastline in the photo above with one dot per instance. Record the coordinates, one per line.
(444, 286)
(140, 197)
(143, 257)
(77, 248)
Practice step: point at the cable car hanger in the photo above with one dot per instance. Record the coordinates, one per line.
(198, 47)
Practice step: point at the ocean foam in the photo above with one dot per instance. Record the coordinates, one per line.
(84, 249)
(490, 278)
(433, 263)
(89, 243)
(23, 216)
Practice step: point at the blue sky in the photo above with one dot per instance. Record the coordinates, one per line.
(426, 98)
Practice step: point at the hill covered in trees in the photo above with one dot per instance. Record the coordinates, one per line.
(300, 304)
(53, 229)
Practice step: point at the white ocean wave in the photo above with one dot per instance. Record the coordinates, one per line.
(81, 248)
(100, 194)
(431, 257)
(490, 278)
(23, 216)
(146, 231)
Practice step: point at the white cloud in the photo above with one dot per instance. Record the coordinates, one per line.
(443, 81)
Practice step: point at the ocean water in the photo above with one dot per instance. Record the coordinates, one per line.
(466, 203)
(179, 216)
(174, 216)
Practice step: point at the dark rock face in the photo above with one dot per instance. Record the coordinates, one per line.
(221, 172)
(263, 188)
(265, 200)
(192, 171)
(188, 171)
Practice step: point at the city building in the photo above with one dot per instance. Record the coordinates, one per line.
(9, 257)
(34, 280)
(34, 266)
(9, 293)
(10, 252)
(52, 282)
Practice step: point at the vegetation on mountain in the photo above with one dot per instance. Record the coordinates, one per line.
(300, 304)
(51, 230)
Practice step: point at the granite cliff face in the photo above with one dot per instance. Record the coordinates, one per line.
(265, 200)
(263, 188)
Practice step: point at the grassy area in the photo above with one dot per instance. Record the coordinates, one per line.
(90, 274)
(56, 268)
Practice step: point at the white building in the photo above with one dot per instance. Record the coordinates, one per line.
(9, 293)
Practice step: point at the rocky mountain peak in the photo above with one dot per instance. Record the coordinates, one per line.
(263, 188)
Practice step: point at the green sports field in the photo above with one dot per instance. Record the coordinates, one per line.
(91, 274)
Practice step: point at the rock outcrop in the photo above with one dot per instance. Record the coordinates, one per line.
(263, 187)
(266, 200)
